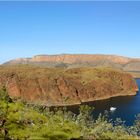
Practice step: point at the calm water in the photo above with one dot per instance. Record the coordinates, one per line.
(127, 107)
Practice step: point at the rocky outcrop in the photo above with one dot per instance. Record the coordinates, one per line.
(57, 86)
(78, 58)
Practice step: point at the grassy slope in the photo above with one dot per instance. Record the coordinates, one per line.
(86, 73)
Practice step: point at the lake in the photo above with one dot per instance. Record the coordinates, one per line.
(127, 107)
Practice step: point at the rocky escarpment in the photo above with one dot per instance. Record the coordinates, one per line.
(72, 58)
(80, 60)
(57, 86)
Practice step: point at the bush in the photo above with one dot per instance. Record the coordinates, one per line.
(19, 120)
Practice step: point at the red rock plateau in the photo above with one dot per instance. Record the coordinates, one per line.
(70, 59)
(81, 60)
(59, 86)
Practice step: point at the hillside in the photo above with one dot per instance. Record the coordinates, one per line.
(59, 86)
(80, 60)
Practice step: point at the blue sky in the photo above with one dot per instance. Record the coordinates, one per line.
(31, 28)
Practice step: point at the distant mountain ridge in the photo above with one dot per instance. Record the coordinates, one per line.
(80, 60)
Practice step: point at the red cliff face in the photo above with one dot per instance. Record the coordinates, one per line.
(65, 86)
(70, 59)
(80, 60)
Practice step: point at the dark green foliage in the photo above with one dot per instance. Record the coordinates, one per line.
(137, 124)
(20, 120)
(4, 95)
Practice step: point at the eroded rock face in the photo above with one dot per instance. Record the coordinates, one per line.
(70, 58)
(80, 60)
(65, 86)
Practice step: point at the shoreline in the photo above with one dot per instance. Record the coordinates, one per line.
(88, 101)
(98, 99)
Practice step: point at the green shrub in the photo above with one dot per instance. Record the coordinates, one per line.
(19, 120)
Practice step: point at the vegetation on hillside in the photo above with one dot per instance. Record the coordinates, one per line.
(60, 86)
(20, 120)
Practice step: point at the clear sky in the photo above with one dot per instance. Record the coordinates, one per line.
(31, 28)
